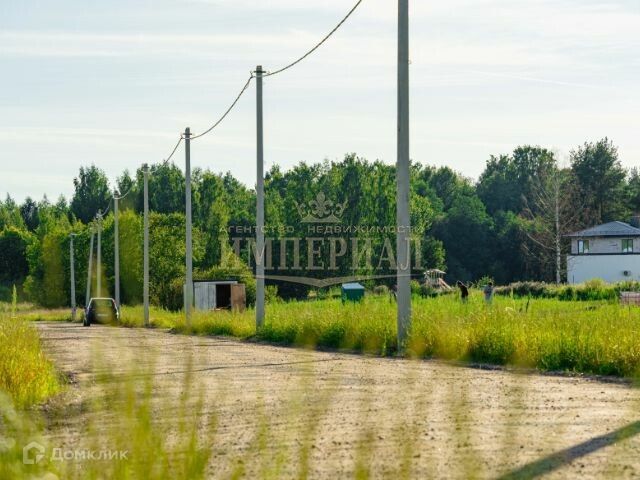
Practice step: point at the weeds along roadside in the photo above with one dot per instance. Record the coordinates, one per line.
(546, 334)
(118, 416)
(27, 377)
(592, 337)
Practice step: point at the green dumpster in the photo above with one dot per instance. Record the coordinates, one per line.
(352, 292)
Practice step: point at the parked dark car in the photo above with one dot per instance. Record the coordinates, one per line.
(101, 310)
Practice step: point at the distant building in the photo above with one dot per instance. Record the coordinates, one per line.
(610, 252)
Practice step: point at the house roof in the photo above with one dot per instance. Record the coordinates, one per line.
(611, 229)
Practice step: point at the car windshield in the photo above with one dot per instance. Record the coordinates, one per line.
(101, 304)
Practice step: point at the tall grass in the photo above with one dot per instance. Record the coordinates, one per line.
(597, 337)
(587, 337)
(26, 375)
(120, 420)
(591, 290)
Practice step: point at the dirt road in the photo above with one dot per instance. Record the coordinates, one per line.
(390, 417)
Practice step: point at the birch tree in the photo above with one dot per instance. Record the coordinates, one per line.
(553, 211)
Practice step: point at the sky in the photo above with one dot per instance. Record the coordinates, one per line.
(114, 83)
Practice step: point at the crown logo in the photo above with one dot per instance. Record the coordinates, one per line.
(321, 210)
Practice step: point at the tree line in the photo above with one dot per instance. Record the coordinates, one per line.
(509, 224)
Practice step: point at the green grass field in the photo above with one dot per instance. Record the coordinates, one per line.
(596, 337)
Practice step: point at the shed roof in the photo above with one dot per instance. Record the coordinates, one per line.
(611, 229)
(217, 282)
(352, 286)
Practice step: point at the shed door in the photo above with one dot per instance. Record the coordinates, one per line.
(211, 296)
(238, 297)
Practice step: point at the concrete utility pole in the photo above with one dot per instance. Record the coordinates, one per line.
(89, 268)
(116, 250)
(145, 267)
(99, 260)
(259, 202)
(402, 175)
(72, 268)
(188, 292)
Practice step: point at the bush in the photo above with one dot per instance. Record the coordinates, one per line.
(483, 281)
(593, 290)
(381, 290)
(525, 289)
(428, 291)
(271, 294)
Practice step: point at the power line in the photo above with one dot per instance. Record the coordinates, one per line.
(131, 187)
(266, 74)
(244, 89)
(101, 213)
(120, 197)
(173, 152)
(318, 45)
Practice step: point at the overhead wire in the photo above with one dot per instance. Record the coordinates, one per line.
(265, 74)
(173, 152)
(318, 45)
(237, 99)
(101, 214)
(120, 197)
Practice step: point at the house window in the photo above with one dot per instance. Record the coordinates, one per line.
(627, 245)
(583, 246)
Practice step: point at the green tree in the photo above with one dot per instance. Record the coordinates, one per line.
(127, 188)
(167, 253)
(467, 234)
(47, 281)
(508, 180)
(601, 180)
(551, 212)
(130, 229)
(633, 191)
(91, 193)
(166, 189)
(212, 215)
(446, 184)
(14, 266)
(29, 213)
(510, 264)
(10, 214)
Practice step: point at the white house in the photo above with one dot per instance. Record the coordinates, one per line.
(610, 252)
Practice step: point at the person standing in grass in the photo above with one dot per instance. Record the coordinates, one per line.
(464, 291)
(488, 293)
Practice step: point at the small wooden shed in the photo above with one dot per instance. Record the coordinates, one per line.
(216, 295)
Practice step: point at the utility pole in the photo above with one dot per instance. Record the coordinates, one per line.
(89, 268)
(116, 250)
(72, 269)
(145, 284)
(188, 292)
(259, 203)
(99, 253)
(402, 176)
